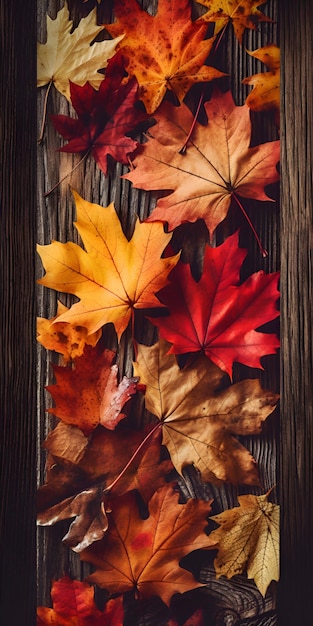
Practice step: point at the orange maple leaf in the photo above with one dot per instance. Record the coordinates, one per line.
(265, 94)
(112, 276)
(88, 394)
(166, 51)
(144, 554)
(217, 166)
(240, 13)
(74, 605)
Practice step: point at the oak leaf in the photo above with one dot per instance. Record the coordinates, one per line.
(69, 56)
(217, 166)
(112, 276)
(265, 94)
(217, 315)
(88, 394)
(104, 118)
(83, 474)
(198, 419)
(165, 51)
(241, 14)
(74, 605)
(144, 554)
(248, 539)
(64, 338)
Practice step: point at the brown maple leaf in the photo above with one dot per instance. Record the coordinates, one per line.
(112, 276)
(248, 539)
(199, 421)
(265, 94)
(217, 166)
(64, 338)
(144, 554)
(165, 51)
(74, 605)
(240, 13)
(88, 394)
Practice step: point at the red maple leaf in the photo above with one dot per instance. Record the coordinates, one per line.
(105, 117)
(217, 315)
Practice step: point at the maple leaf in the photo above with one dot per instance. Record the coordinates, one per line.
(74, 605)
(265, 94)
(113, 276)
(62, 337)
(69, 56)
(165, 51)
(248, 538)
(241, 14)
(198, 420)
(217, 166)
(79, 469)
(88, 393)
(105, 116)
(216, 315)
(145, 554)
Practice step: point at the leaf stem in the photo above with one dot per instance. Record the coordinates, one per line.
(44, 115)
(184, 147)
(68, 174)
(124, 470)
(262, 250)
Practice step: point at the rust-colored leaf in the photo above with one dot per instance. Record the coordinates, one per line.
(241, 14)
(265, 94)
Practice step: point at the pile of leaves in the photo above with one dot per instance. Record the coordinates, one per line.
(102, 471)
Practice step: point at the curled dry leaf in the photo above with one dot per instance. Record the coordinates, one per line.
(69, 56)
(144, 554)
(241, 14)
(217, 315)
(104, 117)
(248, 539)
(165, 51)
(218, 165)
(112, 276)
(199, 421)
(88, 394)
(74, 605)
(265, 94)
(64, 338)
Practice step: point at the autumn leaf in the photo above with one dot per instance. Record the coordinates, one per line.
(74, 605)
(217, 315)
(144, 554)
(217, 167)
(77, 467)
(198, 419)
(62, 337)
(241, 14)
(165, 51)
(69, 56)
(105, 117)
(88, 394)
(265, 94)
(112, 276)
(196, 619)
(248, 539)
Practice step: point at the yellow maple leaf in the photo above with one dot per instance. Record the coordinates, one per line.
(241, 13)
(68, 56)
(265, 94)
(248, 538)
(67, 339)
(112, 276)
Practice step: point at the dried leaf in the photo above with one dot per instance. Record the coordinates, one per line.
(198, 420)
(248, 539)
(165, 51)
(265, 94)
(69, 56)
(113, 276)
(217, 167)
(145, 554)
(240, 13)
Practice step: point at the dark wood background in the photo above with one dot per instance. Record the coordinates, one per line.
(23, 220)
